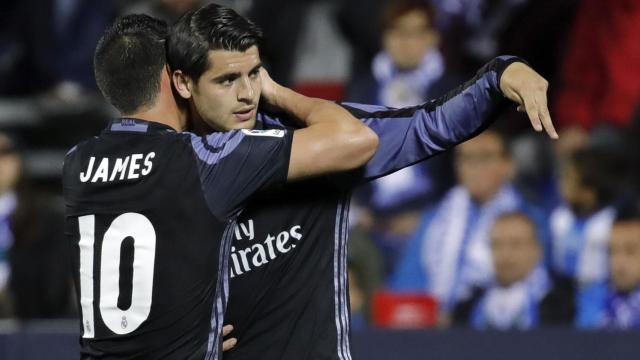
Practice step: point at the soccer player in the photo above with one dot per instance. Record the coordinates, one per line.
(151, 212)
(289, 292)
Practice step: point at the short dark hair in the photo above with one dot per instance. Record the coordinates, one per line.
(600, 170)
(212, 27)
(128, 61)
(397, 9)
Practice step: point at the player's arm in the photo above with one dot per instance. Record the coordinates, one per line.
(332, 140)
(410, 135)
(234, 165)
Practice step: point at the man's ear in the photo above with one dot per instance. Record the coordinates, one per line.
(183, 83)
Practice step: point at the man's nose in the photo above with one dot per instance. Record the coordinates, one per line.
(245, 90)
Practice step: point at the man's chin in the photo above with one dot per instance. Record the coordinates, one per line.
(248, 124)
(232, 125)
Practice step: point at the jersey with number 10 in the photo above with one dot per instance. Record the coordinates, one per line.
(150, 215)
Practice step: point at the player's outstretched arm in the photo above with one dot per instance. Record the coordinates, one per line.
(413, 134)
(333, 139)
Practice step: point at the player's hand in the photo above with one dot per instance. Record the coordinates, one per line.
(528, 89)
(229, 343)
(271, 91)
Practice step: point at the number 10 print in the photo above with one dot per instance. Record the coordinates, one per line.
(126, 225)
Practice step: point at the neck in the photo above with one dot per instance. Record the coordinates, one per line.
(482, 200)
(584, 210)
(167, 114)
(200, 127)
(159, 117)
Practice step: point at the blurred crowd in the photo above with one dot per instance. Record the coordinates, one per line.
(510, 230)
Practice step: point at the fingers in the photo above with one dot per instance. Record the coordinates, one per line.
(264, 73)
(226, 330)
(538, 113)
(229, 344)
(545, 117)
(535, 105)
(528, 89)
(532, 113)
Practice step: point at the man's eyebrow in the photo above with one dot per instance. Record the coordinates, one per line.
(227, 76)
(256, 68)
(234, 74)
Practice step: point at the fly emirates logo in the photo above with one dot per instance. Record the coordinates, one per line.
(257, 252)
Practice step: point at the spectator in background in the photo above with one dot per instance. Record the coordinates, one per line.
(359, 22)
(357, 297)
(9, 174)
(632, 148)
(616, 304)
(473, 28)
(580, 227)
(522, 295)
(408, 71)
(622, 310)
(449, 254)
(364, 267)
(410, 68)
(50, 45)
(34, 277)
(600, 77)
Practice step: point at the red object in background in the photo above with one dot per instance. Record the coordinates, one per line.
(328, 90)
(404, 310)
(601, 70)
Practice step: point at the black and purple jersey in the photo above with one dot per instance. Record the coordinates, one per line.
(150, 217)
(289, 290)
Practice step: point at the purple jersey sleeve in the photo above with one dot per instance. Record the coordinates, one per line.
(413, 134)
(236, 164)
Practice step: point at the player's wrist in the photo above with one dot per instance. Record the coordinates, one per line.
(502, 63)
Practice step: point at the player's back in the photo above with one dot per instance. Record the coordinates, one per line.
(146, 248)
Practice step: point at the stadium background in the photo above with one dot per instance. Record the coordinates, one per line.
(340, 50)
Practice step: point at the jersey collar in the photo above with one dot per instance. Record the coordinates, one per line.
(126, 124)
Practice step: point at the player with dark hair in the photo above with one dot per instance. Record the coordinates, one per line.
(288, 295)
(138, 40)
(151, 212)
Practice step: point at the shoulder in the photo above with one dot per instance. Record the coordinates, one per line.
(74, 150)
(211, 143)
(268, 120)
(75, 154)
(212, 148)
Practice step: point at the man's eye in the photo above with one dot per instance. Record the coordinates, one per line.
(226, 82)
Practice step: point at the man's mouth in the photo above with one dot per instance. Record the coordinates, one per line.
(245, 114)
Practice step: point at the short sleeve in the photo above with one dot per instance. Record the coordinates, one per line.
(234, 165)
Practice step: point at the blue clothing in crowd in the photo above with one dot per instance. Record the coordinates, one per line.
(449, 254)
